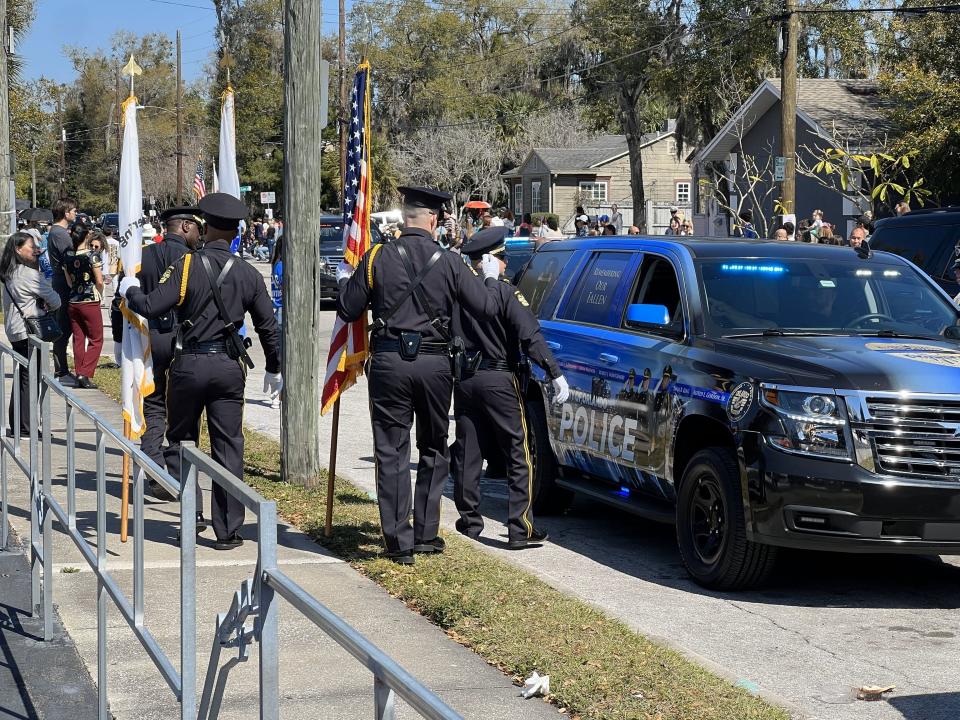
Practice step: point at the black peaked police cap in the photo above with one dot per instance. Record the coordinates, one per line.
(222, 211)
(424, 197)
(186, 212)
(489, 240)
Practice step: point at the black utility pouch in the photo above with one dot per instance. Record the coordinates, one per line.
(409, 345)
(473, 362)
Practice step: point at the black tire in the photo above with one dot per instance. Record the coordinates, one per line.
(548, 497)
(711, 530)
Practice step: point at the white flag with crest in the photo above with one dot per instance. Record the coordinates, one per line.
(229, 180)
(136, 367)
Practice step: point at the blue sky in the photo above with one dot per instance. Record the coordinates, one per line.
(92, 23)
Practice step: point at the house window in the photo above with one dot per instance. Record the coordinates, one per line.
(683, 192)
(535, 196)
(518, 198)
(596, 192)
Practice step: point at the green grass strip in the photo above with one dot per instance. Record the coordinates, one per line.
(599, 668)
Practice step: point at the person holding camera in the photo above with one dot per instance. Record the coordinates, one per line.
(413, 286)
(212, 291)
(26, 294)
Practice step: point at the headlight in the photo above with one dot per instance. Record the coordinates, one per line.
(813, 423)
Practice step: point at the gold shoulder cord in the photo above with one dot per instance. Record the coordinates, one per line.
(186, 276)
(373, 253)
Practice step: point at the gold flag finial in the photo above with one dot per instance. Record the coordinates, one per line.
(131, 68)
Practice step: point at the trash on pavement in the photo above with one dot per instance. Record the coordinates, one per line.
(873, 692)
(535, 685)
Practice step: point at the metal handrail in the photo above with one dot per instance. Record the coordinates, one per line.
(255, 599)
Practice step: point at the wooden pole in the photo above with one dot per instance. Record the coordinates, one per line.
(125, 488)
(303, 366)
(332, 470)
(179, 127)
(7, 199)
(788, 106)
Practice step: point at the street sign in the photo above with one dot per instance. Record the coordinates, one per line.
(779, 168)
(245, 188)
(268, 198)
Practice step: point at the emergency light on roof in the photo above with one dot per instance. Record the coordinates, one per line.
(744, 268)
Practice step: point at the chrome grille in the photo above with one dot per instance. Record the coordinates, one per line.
(332, 262)
(913, 435)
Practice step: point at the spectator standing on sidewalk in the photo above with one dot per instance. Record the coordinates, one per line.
(26, 293)
(746, 224)
(82, 268)
(59, 243)
(616, 219)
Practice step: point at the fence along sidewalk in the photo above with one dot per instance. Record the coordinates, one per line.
(257, 600)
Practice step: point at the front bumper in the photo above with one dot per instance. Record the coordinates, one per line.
(329, 289)
(814, 504)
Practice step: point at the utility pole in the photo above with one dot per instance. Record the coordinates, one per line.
(788, 108)
(303, 365)
(63, 144)
(7, 203)
(179, 127)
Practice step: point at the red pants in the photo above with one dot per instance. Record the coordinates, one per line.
(87, 324)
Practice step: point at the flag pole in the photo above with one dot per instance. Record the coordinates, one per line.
(332, 470)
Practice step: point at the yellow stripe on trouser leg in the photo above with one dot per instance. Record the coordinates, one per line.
(525, 515)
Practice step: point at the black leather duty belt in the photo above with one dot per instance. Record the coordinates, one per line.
(487, 364)
(426, 348)
(206, 348)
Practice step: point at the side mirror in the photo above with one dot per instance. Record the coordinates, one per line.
(648, 315)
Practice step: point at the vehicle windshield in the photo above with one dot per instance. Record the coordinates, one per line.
(331, 237)
(820, 296)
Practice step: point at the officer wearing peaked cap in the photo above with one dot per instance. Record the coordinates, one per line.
(413, 288)
(490, 397)
(182, 226)
(208, 371)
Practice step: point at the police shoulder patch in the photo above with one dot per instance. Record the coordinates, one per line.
(166, 274)
(473, 270)
(521, 298)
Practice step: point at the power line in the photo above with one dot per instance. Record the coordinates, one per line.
(181, 4)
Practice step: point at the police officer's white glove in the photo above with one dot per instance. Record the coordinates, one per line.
(490, 267)
(344, 271)
(561, 391)
(272, 384)
(125, 285)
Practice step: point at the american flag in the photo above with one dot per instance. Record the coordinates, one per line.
(199, 189)
(348, 343)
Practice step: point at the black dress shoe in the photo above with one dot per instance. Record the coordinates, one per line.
(86, 383)
(464, 530)
(234, 541)
(431, 546)
(401, 557)
(536, 537)
(159, 492)
(202, 525)
(66, 378)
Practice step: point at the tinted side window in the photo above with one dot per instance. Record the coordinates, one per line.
(658, 285)
(593, 294)
(541, 275)
(926, 246)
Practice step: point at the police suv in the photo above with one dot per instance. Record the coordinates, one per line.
(758, 394)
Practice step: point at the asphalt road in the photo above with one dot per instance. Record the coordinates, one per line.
(825, 626)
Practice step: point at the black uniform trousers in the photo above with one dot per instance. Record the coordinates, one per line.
(488, 403)
(211, 382)
(399, 391)
(155, 404)
(60, 364)
(22, 347)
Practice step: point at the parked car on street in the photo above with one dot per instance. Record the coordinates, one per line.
(757, 394)
(927, 238)
(331, 252)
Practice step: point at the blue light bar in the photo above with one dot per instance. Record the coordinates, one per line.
(744, 268)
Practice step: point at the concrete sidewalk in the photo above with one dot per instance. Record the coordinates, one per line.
(317, 678)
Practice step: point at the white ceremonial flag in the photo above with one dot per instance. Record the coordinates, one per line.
(229, 181)
(136, 367)
(216, 180)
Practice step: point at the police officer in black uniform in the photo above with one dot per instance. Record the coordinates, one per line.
(208, 369)
(488, 400)
(181, 235)
(410, 372)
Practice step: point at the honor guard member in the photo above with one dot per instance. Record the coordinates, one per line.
(181, 236)
(212, 290)
(413, 287)
(488, 400)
